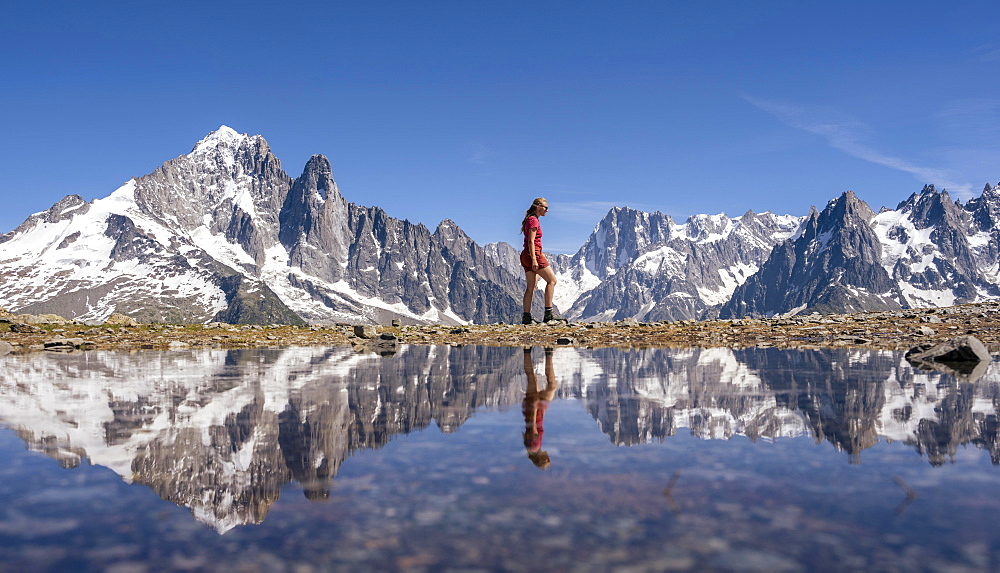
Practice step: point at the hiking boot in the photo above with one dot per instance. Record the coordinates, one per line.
(527, 319)
(551, 316)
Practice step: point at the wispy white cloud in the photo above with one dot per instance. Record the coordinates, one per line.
(478, 154)
(846, 134)
(592, 211)
(581, 211)
(987, 53)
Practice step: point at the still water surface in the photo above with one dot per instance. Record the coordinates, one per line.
(482, 458)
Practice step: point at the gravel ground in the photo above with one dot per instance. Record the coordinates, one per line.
(895, 330)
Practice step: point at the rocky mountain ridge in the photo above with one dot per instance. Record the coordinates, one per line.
(928, 252)
(647, 267)
(224, 234)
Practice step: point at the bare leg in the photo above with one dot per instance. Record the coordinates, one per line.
(529, 292)
(551, 385)
(529, 373)
(550, 284)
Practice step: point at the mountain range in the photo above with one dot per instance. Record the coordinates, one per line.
(224, 234)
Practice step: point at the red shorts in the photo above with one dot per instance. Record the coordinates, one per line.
(526, 260)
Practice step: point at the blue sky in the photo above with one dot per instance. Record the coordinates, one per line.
(467, 110)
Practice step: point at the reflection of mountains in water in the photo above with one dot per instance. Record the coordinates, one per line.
(222, 431)
(847, 397)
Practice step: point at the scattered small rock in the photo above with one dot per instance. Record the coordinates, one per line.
(23, 328)
(121, 319)
(63, 344)
(884, 330)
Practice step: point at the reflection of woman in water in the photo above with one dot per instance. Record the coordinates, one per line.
(534, 405)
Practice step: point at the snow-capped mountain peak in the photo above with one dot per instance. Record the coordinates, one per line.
(225, 136)
(651, 268)
(223, 233)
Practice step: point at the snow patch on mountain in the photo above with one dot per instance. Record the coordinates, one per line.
(731, 277)
(901, 239)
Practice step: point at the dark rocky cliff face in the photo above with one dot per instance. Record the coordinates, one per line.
(621, 236)
(929, 251)
(833, 266)
(659, 270)
(130, 242)
(314, 223)
(953, 263)
(252, 302)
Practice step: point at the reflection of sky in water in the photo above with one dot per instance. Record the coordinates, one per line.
(689, 459)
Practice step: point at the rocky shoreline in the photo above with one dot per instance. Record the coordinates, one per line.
(887, 330)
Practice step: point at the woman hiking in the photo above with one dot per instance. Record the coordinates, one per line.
(534, 262)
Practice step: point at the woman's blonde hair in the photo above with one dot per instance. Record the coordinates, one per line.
(533, 210)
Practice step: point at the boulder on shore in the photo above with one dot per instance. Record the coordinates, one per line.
(964, 357)
(365, 331)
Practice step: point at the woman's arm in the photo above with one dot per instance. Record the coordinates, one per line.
(531, 245)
